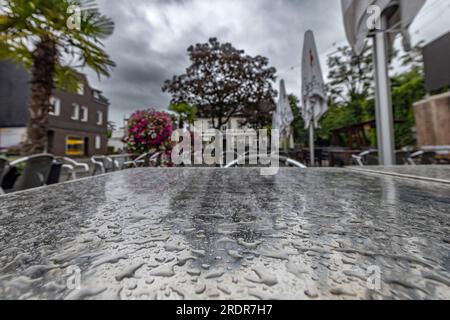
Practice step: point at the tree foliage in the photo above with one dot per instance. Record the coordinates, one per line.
(223, 82)
(351, 80)
(186, 113)
(300, 133)
(259, 115)
(351, 88)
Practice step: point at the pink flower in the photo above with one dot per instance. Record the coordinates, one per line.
(150, 130)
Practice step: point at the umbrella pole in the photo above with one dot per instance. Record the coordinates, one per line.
(384, 114)
(311, 145)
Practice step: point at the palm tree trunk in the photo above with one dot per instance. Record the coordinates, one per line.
(42, 85)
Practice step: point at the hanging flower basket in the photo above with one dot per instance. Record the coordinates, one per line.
(151, 131)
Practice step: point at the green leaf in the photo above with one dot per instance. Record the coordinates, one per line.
(66, 78)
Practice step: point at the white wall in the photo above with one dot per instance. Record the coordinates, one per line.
(205, 124)
(116, 140)
(12, 137)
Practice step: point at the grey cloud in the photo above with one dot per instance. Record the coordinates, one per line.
(151, 37)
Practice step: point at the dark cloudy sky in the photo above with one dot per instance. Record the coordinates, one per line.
(151, 37)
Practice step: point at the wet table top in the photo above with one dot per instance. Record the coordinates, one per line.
(439, 173)
(227, 234)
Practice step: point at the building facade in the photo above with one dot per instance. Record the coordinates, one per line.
(77, 121)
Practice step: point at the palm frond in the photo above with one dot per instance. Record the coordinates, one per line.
(28, 21)
(66, 78)
(96, 25)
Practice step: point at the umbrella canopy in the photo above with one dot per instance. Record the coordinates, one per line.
(400, 15)
(283, 116)
(314, 94)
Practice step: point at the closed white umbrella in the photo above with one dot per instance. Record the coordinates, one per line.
(284, 111)
(276, 120)
(361, 20)
(283, 117)
(314, 94)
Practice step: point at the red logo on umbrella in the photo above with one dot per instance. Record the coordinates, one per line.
(311, 57)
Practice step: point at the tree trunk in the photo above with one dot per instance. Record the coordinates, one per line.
(44, 62)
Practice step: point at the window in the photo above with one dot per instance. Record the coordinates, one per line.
(84, 114)
(80, 89)
(74, 146)
(98, 142)
(99, 118)
(75, 112)
(55, 107)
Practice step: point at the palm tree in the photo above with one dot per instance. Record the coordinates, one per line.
(51, 38)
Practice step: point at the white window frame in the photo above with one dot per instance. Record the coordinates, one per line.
(98, 142)
(99, 118)
(80, 89)
(75, 107)
(56, 104)
(84, 114)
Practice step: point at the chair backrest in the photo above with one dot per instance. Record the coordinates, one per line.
(104, 160)
(401, 157)
(371, 158)
(4, 164)
(258, 159)
(428, 157)
(142, 157)
(36, 172)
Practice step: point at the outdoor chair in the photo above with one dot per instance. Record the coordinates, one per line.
(4, 166)
(35, 173)
(55, 173)
(402, 157)
(73, 168)
(422, 158)
(366, 158)
(138, 162)
(247, 158)
(104, 164)
(154, 159)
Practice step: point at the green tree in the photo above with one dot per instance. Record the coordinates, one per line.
(186, 113)
(408, 87)
(51, 38)
(352, 93)
(111, 127)
(300, 133)
(350, 90)
(351, 81)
